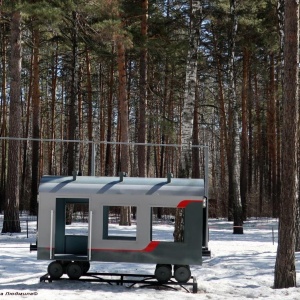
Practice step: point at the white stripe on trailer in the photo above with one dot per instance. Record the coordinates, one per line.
(51, 234)
(90, 235)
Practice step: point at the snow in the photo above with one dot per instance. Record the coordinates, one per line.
(241, 267)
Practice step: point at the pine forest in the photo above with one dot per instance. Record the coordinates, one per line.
(95, 80)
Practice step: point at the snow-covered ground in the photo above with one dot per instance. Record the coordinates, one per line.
(241, 267)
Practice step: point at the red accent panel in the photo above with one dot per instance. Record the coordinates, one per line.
(184, 203)
(151, 247)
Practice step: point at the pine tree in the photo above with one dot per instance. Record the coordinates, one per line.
(285, 271)
(11, 222)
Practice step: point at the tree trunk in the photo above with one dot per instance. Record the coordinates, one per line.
(11, 222)
(164, 138)
(72, 123)
(123, 107)
(245, 141)
(35, 124)
(80, 123)
(25, 171)
(143, 91)
(285, 272)
(258, 167)
(123, 112)
(272, 138)
(234, 163)
(51, 151)
(102, 122)
(108, 155)
(251, 131)
(3, 119)
(195, 141)
(224, 149)
(189, 103)
(90, 110)
(280, 12)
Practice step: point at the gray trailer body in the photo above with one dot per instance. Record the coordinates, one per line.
(100, 193)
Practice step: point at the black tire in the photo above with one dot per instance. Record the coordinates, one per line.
(85, 265)
(64, 264)
(55, 270)
(182, 273)
(74, 270)
(163, 273)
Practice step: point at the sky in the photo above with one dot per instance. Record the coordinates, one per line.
(240, 267)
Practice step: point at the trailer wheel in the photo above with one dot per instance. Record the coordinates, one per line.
(64, 264)
(85, 266)
(182, 273)
(163, 273)
(74, 270)
(55, 269)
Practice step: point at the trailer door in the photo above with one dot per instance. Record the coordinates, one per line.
(71, 228)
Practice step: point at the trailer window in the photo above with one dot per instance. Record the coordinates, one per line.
(119, 222)
(164, 221)
(76, 218)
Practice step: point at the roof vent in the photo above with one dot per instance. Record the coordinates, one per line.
(122, 175)
(170, 176)
(74, 173)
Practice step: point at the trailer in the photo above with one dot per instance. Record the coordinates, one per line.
(71, 252)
